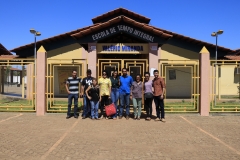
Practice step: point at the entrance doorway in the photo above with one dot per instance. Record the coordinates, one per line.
(133, 66)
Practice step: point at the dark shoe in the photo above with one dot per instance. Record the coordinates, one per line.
(76, 117)
(68, 117)
(138, 118)
(127, 117)
(120, 117)
(83, 117)
(135, 118)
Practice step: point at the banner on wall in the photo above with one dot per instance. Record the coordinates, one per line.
(122, 48)
(63, 73)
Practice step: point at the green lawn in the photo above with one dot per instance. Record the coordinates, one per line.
(23, 102)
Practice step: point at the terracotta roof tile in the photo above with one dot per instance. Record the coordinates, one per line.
(144, 26)
(232, 57)
(99, 18)
(8, 56)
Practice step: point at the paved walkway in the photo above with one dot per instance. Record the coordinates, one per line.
(25, 136)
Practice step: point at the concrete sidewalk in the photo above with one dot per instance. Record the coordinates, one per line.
(25, 136)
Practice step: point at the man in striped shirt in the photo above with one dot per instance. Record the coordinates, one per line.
(72, 87)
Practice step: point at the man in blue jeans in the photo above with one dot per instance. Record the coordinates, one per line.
(124, 91)
(72, 87)
(87, 81)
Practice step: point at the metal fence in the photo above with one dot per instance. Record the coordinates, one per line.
(14, 82)
(224, 86)
(182, 85)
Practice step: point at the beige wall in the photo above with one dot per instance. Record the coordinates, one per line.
(228, 82)
(73, 51)
(171, 52)
(181, 87)
(64, 56)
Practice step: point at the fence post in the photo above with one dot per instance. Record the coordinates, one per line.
(92, 58)
(153, 64)
(41, 82)
(204, 103)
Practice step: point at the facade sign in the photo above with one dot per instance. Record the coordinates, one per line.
(122, 28)
(93, 48)
(154, 48)
(125, 48)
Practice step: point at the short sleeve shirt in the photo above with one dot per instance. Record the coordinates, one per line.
(105, 84)
(148, 86)
(158, 85)
(137, 90)
(73, 84)
(87, 81)
(125, 84)
(115, 81)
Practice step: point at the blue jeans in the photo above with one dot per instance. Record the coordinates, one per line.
(94, 109)
(70, 97)
(86, 107)
(124, 100)
(115, 97)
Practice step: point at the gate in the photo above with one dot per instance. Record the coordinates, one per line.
(58, 70)
(134, 67)
(225, 86)
(182, 85)
(17, 85)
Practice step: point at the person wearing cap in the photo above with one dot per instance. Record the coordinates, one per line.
(86, 82)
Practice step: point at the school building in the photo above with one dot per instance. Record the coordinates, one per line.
(195, 81)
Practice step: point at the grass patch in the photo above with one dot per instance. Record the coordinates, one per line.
(15, 102)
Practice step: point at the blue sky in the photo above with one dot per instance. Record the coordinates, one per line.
(193, 18)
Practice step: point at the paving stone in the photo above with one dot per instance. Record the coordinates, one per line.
(31, 137)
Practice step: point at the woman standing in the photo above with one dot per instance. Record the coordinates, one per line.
(94, 98)
(148, 96)
(105, 91)
(115, 91)
(136, 96)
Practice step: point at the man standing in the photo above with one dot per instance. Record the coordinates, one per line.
(124, 91)
(158, 93)
(72, 87)
(87, 81)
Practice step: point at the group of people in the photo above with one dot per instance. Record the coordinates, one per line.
(100, 93)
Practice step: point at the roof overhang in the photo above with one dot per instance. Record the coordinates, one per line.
(121, 11)
(4, 51)
(118, 25)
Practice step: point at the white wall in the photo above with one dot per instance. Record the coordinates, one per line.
(16, 79)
